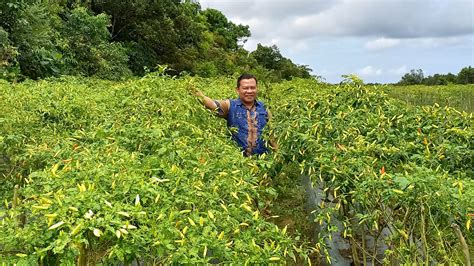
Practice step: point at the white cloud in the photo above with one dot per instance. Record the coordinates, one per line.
(395, 35)
(385, 43)
(301, 19)
(382, 43)
(393, 19)
(369, 71)
(436, 42)
(399, 71)
(268, 8)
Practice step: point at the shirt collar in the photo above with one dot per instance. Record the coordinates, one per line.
(240, 103)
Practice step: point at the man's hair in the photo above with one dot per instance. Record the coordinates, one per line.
(246, 76)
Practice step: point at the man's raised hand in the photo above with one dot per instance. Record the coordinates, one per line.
(192, 90)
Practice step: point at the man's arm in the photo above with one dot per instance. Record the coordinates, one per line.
(206, 101)
(220, 107)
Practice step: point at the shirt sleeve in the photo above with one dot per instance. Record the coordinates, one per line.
(223, 107)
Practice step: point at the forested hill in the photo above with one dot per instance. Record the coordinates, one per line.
(118, 39)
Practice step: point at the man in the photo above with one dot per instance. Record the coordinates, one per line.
(247, 115)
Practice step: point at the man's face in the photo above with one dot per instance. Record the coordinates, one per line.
(247, 90)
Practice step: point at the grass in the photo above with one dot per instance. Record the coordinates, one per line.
(460, 97)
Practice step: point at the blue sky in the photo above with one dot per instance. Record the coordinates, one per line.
(378, 40)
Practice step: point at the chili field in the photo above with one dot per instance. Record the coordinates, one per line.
(458, 96)
(96, 172)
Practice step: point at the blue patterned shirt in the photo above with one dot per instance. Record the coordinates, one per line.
(245, 124)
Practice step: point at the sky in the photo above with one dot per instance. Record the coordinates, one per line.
(378, 40)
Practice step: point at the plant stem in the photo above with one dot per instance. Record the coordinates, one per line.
(364, 257)
(82, 260)
(355, 257)
(15, 197)
(464, 247)
(423, 234)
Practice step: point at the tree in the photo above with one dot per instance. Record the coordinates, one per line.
(436, 79)
(31, 29)
(282, 68)
(9, 68)
(114, 40)
(413, 78)
(267, 56)
(466, 75)
(229, 34)
(87, 48)
(155, 32)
